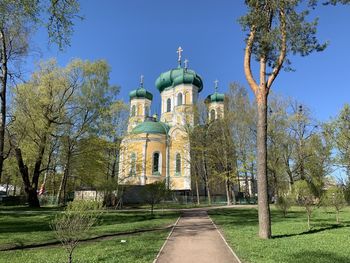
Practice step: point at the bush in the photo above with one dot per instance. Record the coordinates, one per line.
(74, 223)
(335, 197)
(284, 202)
(305, 197)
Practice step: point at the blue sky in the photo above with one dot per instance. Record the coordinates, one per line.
(141, 37)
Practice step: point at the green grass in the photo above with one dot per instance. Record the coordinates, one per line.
(138, 249)
(326, 242)
(22, 226)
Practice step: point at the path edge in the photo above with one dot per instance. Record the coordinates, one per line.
(166, 240)
(223, 238)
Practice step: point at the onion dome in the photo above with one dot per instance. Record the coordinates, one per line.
(140, 92)
(216, 96)
(178, 76)
(154, 127)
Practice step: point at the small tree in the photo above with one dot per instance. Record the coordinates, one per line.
(305, 198)
(335, 197)
(284, 202)
(74, 223)
(154, 193)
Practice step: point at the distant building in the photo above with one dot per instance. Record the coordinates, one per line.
(156, 150)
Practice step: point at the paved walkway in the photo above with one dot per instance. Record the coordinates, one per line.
(195, 239)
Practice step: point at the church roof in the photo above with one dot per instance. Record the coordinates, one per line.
(215, 97)
(149, 126)
(178, 76)
(141, 92)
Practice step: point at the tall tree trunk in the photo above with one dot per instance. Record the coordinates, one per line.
(61, 196)
(4, 73)
(197, 192)
(263, 202)
(30, 191)
(228, 192)
(208, 192)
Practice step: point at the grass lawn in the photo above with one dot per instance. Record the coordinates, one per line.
(23, 226)
(327, 242)
(138, 248)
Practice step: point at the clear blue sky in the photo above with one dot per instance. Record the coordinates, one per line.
(141, 37)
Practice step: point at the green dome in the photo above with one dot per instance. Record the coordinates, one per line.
(141, 92)
(216, 97)
(178, 76)
(151, 127)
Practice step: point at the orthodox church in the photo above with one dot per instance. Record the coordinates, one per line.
(159, 150)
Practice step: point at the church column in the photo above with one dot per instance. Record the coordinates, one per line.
(144, 163)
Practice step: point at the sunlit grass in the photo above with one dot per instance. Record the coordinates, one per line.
(327, 242)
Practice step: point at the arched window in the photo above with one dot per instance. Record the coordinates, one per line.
(178, 163)
(133, 110)
(168, 105)
(139, 110)
(146, 111)
(179, 99)
(155, 168)
(212, 115)
(133, 164)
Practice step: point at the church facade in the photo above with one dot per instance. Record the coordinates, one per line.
(159, 149)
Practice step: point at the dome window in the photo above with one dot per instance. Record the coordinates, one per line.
(155, 169)
(212, 115)
(178, 164)
(168, 105)
(179, 99)
(133, 164)
(133, 111)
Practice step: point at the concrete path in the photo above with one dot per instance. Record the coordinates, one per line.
(195, 239)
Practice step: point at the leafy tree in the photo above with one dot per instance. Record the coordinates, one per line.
(241, 115)
(221, 154)
(275, 29)
(85, 113)
(277, 139)
(305, 197)
(339, 132)
(67, 104)
(284, 202)
(74, 223)
(18, 21)
(39, 110)
(154, 193)
(335, 197)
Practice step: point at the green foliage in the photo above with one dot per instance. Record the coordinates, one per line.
(271, 20)
(335, 197)
(305, 197)
(284, 203)
(154, 193)
(56, 16)
(74, 223)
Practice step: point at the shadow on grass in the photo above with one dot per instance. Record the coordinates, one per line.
(21, 223)
(316, 256)
(312, 231)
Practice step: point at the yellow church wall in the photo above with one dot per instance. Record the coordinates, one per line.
(128, 149)
(156, 143)
(179, 144)
(136, 144)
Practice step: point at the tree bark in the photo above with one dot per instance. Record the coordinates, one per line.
(30, 191)
(228, 194)
(61, 196)
(263, 202)
(4, 73)
(197, 192)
